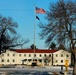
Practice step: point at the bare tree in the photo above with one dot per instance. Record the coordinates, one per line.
(61, 46)
(47, 59)
(8, 35)
(61, 21)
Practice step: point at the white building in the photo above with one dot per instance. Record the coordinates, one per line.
(41, 57)
(61, 56)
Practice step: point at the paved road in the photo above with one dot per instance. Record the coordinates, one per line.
(33, 71)
(27, 73)
(52, 69)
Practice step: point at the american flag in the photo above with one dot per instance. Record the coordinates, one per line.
(40, 11)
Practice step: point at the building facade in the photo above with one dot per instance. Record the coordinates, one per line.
(41, 57)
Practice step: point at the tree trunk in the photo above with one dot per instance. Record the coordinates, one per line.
(75, 64)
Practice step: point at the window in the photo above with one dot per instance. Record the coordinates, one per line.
(29, 55)
(61, 55)
(25, 60)
(7, 54)
(67, 55)
(7, 60)
(56, 61)
(40, 55)
(34, 55)
(24, 54)
(35, 60)
(45, 55)
(13, 60)
(2, 60)
(13, 54)
(29, 60)
(56, 55)
(61, 61)
(19, 54)
(40, 60)
(49, 55)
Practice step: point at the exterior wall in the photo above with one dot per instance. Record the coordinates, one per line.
(12, 57)
(22, 56)
(8, 58)
(60, 56)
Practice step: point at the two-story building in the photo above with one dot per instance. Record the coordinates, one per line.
(39, 56)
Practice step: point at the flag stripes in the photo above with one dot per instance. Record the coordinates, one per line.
(40, 10)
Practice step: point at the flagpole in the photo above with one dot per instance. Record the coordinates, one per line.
(34, 27)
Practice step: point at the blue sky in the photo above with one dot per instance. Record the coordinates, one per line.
(22, 11)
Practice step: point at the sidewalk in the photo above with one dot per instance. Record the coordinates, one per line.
(58, 67)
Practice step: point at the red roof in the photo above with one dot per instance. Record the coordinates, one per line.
(36, 51)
